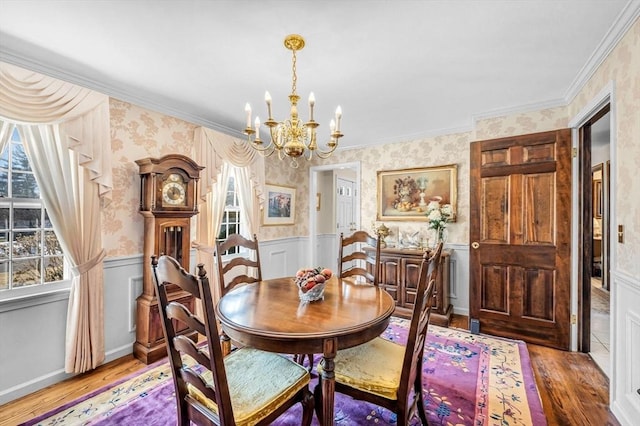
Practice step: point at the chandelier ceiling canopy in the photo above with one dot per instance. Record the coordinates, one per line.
(291, 137)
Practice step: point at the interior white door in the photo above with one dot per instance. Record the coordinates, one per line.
(345, 202)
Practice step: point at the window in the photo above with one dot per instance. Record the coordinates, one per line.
(231, 218)
(30, 253)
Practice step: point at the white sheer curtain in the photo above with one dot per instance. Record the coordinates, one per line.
(208, 226)
(217, 152)
(65, 131)
(248, 202)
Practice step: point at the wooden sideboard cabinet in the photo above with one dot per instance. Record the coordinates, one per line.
(399, 271)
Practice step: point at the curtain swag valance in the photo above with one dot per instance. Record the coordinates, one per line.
(81, 115)
(213, 149)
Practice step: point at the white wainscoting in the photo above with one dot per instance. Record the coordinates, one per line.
(459, 278)
(327, 251)
(33, 330)
(283, 257)
(625, 348)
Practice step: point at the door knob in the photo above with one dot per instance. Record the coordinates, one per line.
(475, 245)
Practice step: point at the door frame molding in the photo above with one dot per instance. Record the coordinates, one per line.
(313, 189)
(592, 108)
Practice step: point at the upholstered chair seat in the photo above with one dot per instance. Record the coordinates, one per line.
(386, 373)
(373, 367)
(259, 382)
(246, 387)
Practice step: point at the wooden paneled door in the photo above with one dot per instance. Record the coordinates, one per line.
(520, 237)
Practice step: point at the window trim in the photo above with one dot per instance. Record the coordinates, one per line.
(30, 295)
(10, 296)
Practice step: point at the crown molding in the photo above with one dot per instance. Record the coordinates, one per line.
(519, 109)
(111, 90)
(621, 25)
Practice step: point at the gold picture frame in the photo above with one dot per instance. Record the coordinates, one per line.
(404, 194)
(280, 208)
(597, 172)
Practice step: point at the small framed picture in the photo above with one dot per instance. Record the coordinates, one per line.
(281, 205)
(318, 201)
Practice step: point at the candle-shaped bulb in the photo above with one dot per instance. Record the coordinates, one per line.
(332, 126)
(257, 127)
(312, 102)
(267, 99)
(247, 109)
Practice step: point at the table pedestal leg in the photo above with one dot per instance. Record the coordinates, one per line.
(328, 381)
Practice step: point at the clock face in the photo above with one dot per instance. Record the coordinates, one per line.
(174, 191)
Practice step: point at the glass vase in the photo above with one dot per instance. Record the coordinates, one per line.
(440, 235)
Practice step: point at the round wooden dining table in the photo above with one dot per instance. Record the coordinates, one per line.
(269, 315)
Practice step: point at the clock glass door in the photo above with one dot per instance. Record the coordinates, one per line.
(171, 241)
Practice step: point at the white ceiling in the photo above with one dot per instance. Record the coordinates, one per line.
(399, 69)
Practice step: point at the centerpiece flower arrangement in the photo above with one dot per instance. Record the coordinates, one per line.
(437, 217)
(311, 283)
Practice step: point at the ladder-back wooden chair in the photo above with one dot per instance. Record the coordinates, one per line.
(353, 262)
(239, 269)
(243, 269)
(211, 389)
(435, 261)
(386, 373)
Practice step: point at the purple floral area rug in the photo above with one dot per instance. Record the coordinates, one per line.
(469, 380)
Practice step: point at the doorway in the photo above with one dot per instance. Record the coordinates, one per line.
(328, 209)
(595, 170)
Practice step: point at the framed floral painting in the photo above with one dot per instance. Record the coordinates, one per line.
(404, 194)
(280, 208)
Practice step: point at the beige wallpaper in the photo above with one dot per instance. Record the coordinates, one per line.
(279, 172)
(522, 123)
(136, 133)
(436, 151)
(622, 66)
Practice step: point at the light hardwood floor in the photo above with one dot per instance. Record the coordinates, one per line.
(574, 391)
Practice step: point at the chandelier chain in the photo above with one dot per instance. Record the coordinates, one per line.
(294, 80)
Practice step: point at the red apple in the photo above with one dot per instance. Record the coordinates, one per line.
(311, 283)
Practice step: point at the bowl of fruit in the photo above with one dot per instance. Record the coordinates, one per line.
(311, 283)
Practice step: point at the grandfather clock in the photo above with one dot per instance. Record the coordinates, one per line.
(168, 200)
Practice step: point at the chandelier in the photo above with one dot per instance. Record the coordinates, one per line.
(291, 137)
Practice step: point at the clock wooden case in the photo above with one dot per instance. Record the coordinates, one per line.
(168, 201)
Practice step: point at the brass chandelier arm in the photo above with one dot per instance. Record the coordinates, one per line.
(325, 154)
(257, 144)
